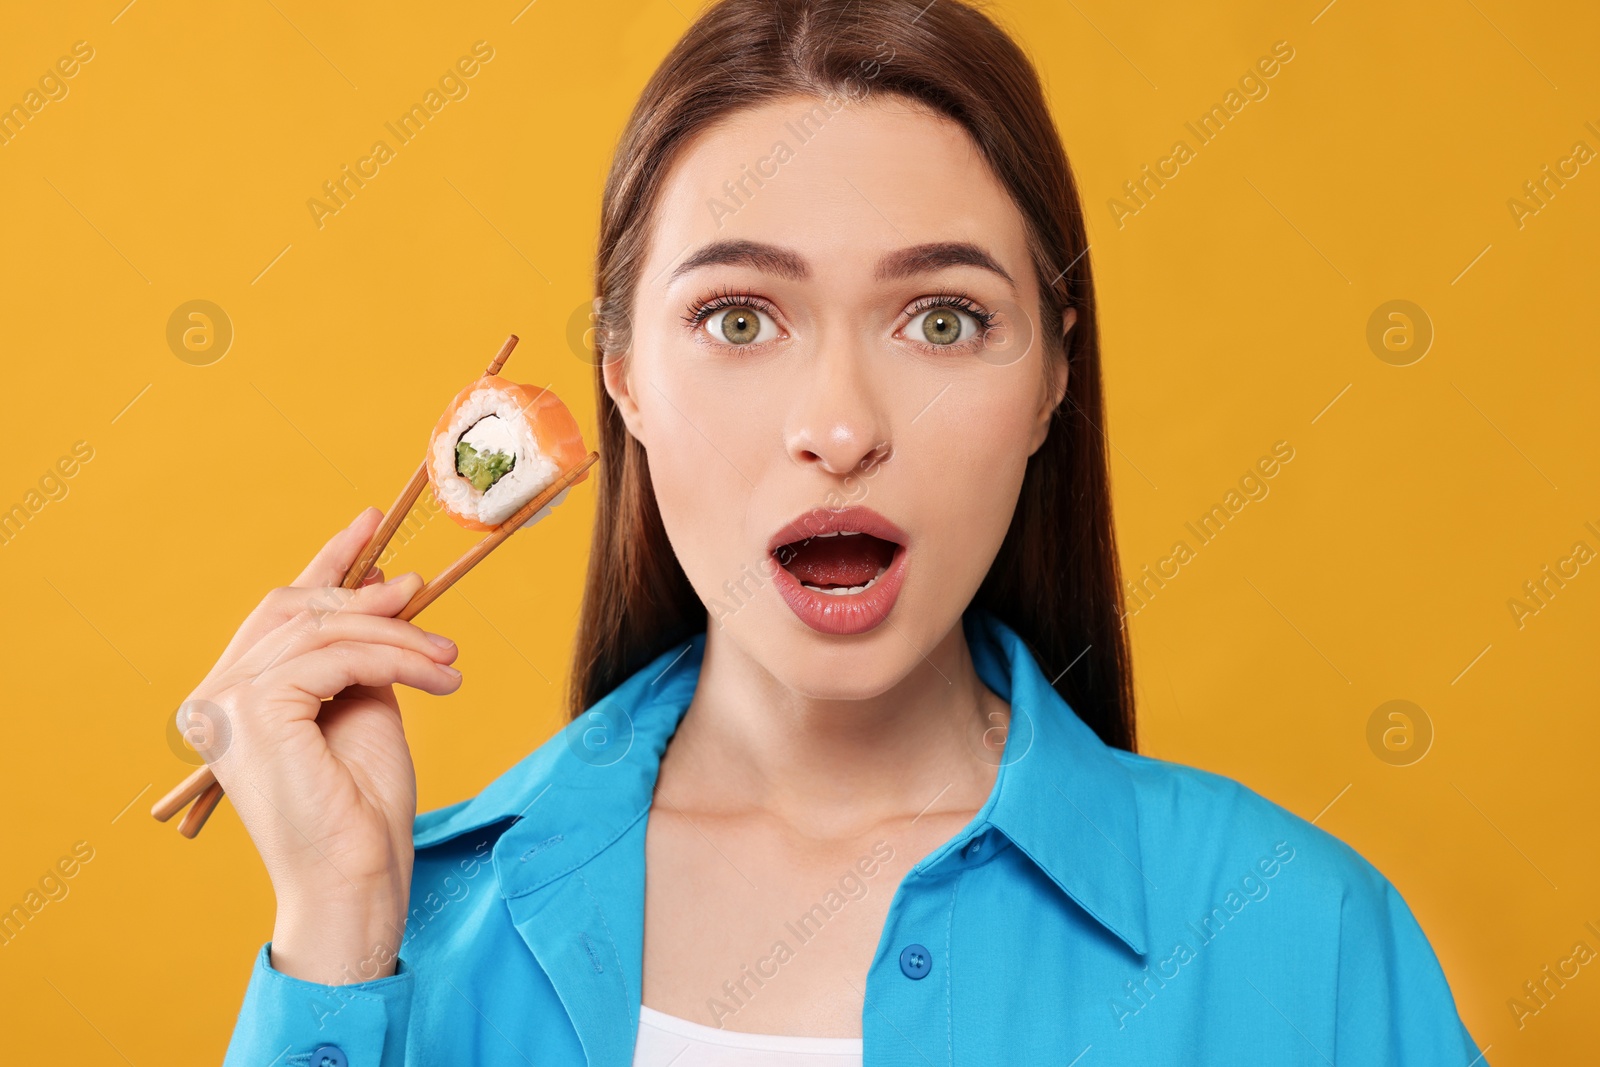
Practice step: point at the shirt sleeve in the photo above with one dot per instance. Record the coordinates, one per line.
(1394, 1002)
(291, 1022)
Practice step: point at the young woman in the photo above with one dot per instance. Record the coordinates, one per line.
(851, 773)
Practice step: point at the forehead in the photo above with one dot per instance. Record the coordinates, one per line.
(840, 187)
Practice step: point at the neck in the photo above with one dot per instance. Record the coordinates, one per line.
(832, 768)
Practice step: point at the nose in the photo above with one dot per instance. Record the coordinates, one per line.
(837, 421)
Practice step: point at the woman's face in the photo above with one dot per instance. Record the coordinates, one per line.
(808, 339)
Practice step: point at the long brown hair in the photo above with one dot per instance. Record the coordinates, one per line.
(1055, 580)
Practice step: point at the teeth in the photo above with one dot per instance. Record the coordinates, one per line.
(851, 591)
(837, 592)
(839, 533)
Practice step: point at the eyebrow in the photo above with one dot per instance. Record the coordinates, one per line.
(902, 263)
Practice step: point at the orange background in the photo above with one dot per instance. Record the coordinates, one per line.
(1379, 166)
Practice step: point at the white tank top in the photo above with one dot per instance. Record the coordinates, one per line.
(667, 1039)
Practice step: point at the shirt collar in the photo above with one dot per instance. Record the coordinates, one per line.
(1061, 795)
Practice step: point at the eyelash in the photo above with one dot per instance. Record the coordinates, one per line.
(957, 301)
(697, 313)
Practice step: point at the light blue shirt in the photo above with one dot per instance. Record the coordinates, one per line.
(1101, 908)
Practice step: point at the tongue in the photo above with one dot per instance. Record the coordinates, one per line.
(842, 561)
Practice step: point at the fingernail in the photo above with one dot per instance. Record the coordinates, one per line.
(449, 670)
(402, 578)
(441, 640)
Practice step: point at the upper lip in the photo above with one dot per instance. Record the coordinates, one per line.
(855, 519)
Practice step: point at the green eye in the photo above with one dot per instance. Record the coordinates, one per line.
(942, 325)
(740, 324)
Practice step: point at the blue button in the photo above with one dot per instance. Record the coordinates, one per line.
(975, 848)
(329, 1056)
(915, 961)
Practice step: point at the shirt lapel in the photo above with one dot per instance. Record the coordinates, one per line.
(571, 869)
(591, 952)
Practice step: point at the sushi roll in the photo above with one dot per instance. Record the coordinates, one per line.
(496, 447)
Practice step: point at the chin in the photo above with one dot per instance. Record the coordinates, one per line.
(821, 666)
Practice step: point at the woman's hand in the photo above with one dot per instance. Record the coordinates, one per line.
(326, 787)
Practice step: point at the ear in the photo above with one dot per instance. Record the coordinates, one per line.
(615, 374)
(1058, 386)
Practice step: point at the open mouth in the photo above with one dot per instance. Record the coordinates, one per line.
(837, 563)
(840, 572)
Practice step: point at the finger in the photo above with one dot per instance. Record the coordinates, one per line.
(374, 576)
(305, 633)
(327, 567)
(370, 598)
(324, 672)
(282, 607)
(276, 608)
(383, 694)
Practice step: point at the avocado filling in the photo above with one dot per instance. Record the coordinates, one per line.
(486, 452)
(482, 469)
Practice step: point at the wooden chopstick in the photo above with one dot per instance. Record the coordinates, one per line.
(386, 529)
(197, 782)
(475, 555)
(202, 784)
(204, 805)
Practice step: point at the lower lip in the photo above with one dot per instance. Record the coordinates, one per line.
(855, 613)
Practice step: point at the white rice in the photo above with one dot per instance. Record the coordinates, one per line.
(531, 473)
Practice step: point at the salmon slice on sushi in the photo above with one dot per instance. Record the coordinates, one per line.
(496, 447)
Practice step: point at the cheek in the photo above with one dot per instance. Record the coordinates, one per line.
(972, 456)
(704, 458)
